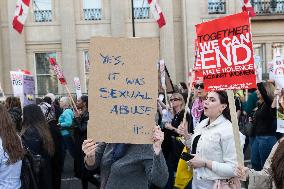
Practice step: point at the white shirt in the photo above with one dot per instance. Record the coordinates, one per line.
(216, 144)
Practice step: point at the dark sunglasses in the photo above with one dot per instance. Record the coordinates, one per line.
(174, 99)
(201, 85)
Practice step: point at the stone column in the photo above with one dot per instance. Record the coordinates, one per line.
(117, 15)
(268, 53)
(2, 76)
(68, 40)
(17, 44)
(167, 49)
(193, 15)
(185, 37)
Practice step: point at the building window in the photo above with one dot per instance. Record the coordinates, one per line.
(259, 50)
(46, 80)
(42, 10)
(92, 9)
(278, 48)
(217, 6)
(87, 68)
(264, 7)
(141, 9)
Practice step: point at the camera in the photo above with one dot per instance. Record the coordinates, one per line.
(186, 156)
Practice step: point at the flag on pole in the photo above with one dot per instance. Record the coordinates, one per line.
(21, 14)
(57, 71)
(248, 8)
(157, 12)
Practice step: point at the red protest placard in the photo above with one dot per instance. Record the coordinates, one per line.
(225, 54)
(57, 71)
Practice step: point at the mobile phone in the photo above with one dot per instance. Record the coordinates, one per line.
(186, 156)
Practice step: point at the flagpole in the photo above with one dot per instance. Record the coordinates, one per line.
(133, 23)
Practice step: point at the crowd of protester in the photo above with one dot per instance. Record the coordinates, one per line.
(204, 140)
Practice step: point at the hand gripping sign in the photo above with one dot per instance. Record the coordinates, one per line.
(225, 53)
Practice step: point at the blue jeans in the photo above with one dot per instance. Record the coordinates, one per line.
(67, 143)
(260, 150)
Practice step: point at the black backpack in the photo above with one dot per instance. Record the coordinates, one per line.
(32, 165)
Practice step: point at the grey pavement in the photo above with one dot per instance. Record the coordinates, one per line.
(68, 181)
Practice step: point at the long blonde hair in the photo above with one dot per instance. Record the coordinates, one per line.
(180, 97)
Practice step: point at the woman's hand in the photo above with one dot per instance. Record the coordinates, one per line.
(183, 130)
(277, 92)
(89, 148)
(170, 127)
(197, 162)
(241, 172)
(77, 113)
(158, 138)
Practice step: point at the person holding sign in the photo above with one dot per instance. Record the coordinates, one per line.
(272, 172)
(212, 144)
(80, 134)
(264, 125)
(128, 166)
(172, 146)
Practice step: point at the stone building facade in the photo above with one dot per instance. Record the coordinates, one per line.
(63, 28)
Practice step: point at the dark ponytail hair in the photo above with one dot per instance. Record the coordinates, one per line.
(277, 164)
(224, 100)
(84, 98)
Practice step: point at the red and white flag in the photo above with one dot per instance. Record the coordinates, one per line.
(157, 12)
(57, 71)
(248, 8)
(21, 14)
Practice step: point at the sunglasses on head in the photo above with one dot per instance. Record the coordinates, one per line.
(201, 85)
(174, 99)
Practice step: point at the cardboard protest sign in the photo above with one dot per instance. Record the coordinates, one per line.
(225, 52)
(17, 81)
(77, 87)
(123, 89)
(29, 89)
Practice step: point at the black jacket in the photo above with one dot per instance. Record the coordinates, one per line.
(80, 134)
(34, 142)
(264, 117)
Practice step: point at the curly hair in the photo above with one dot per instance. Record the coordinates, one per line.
(277, 166)
(11, 142)
(12, 102)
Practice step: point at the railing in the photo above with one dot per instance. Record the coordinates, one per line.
(217, 7)
(141, 12)
(43, 15)
(92, 14)
(264, 7)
